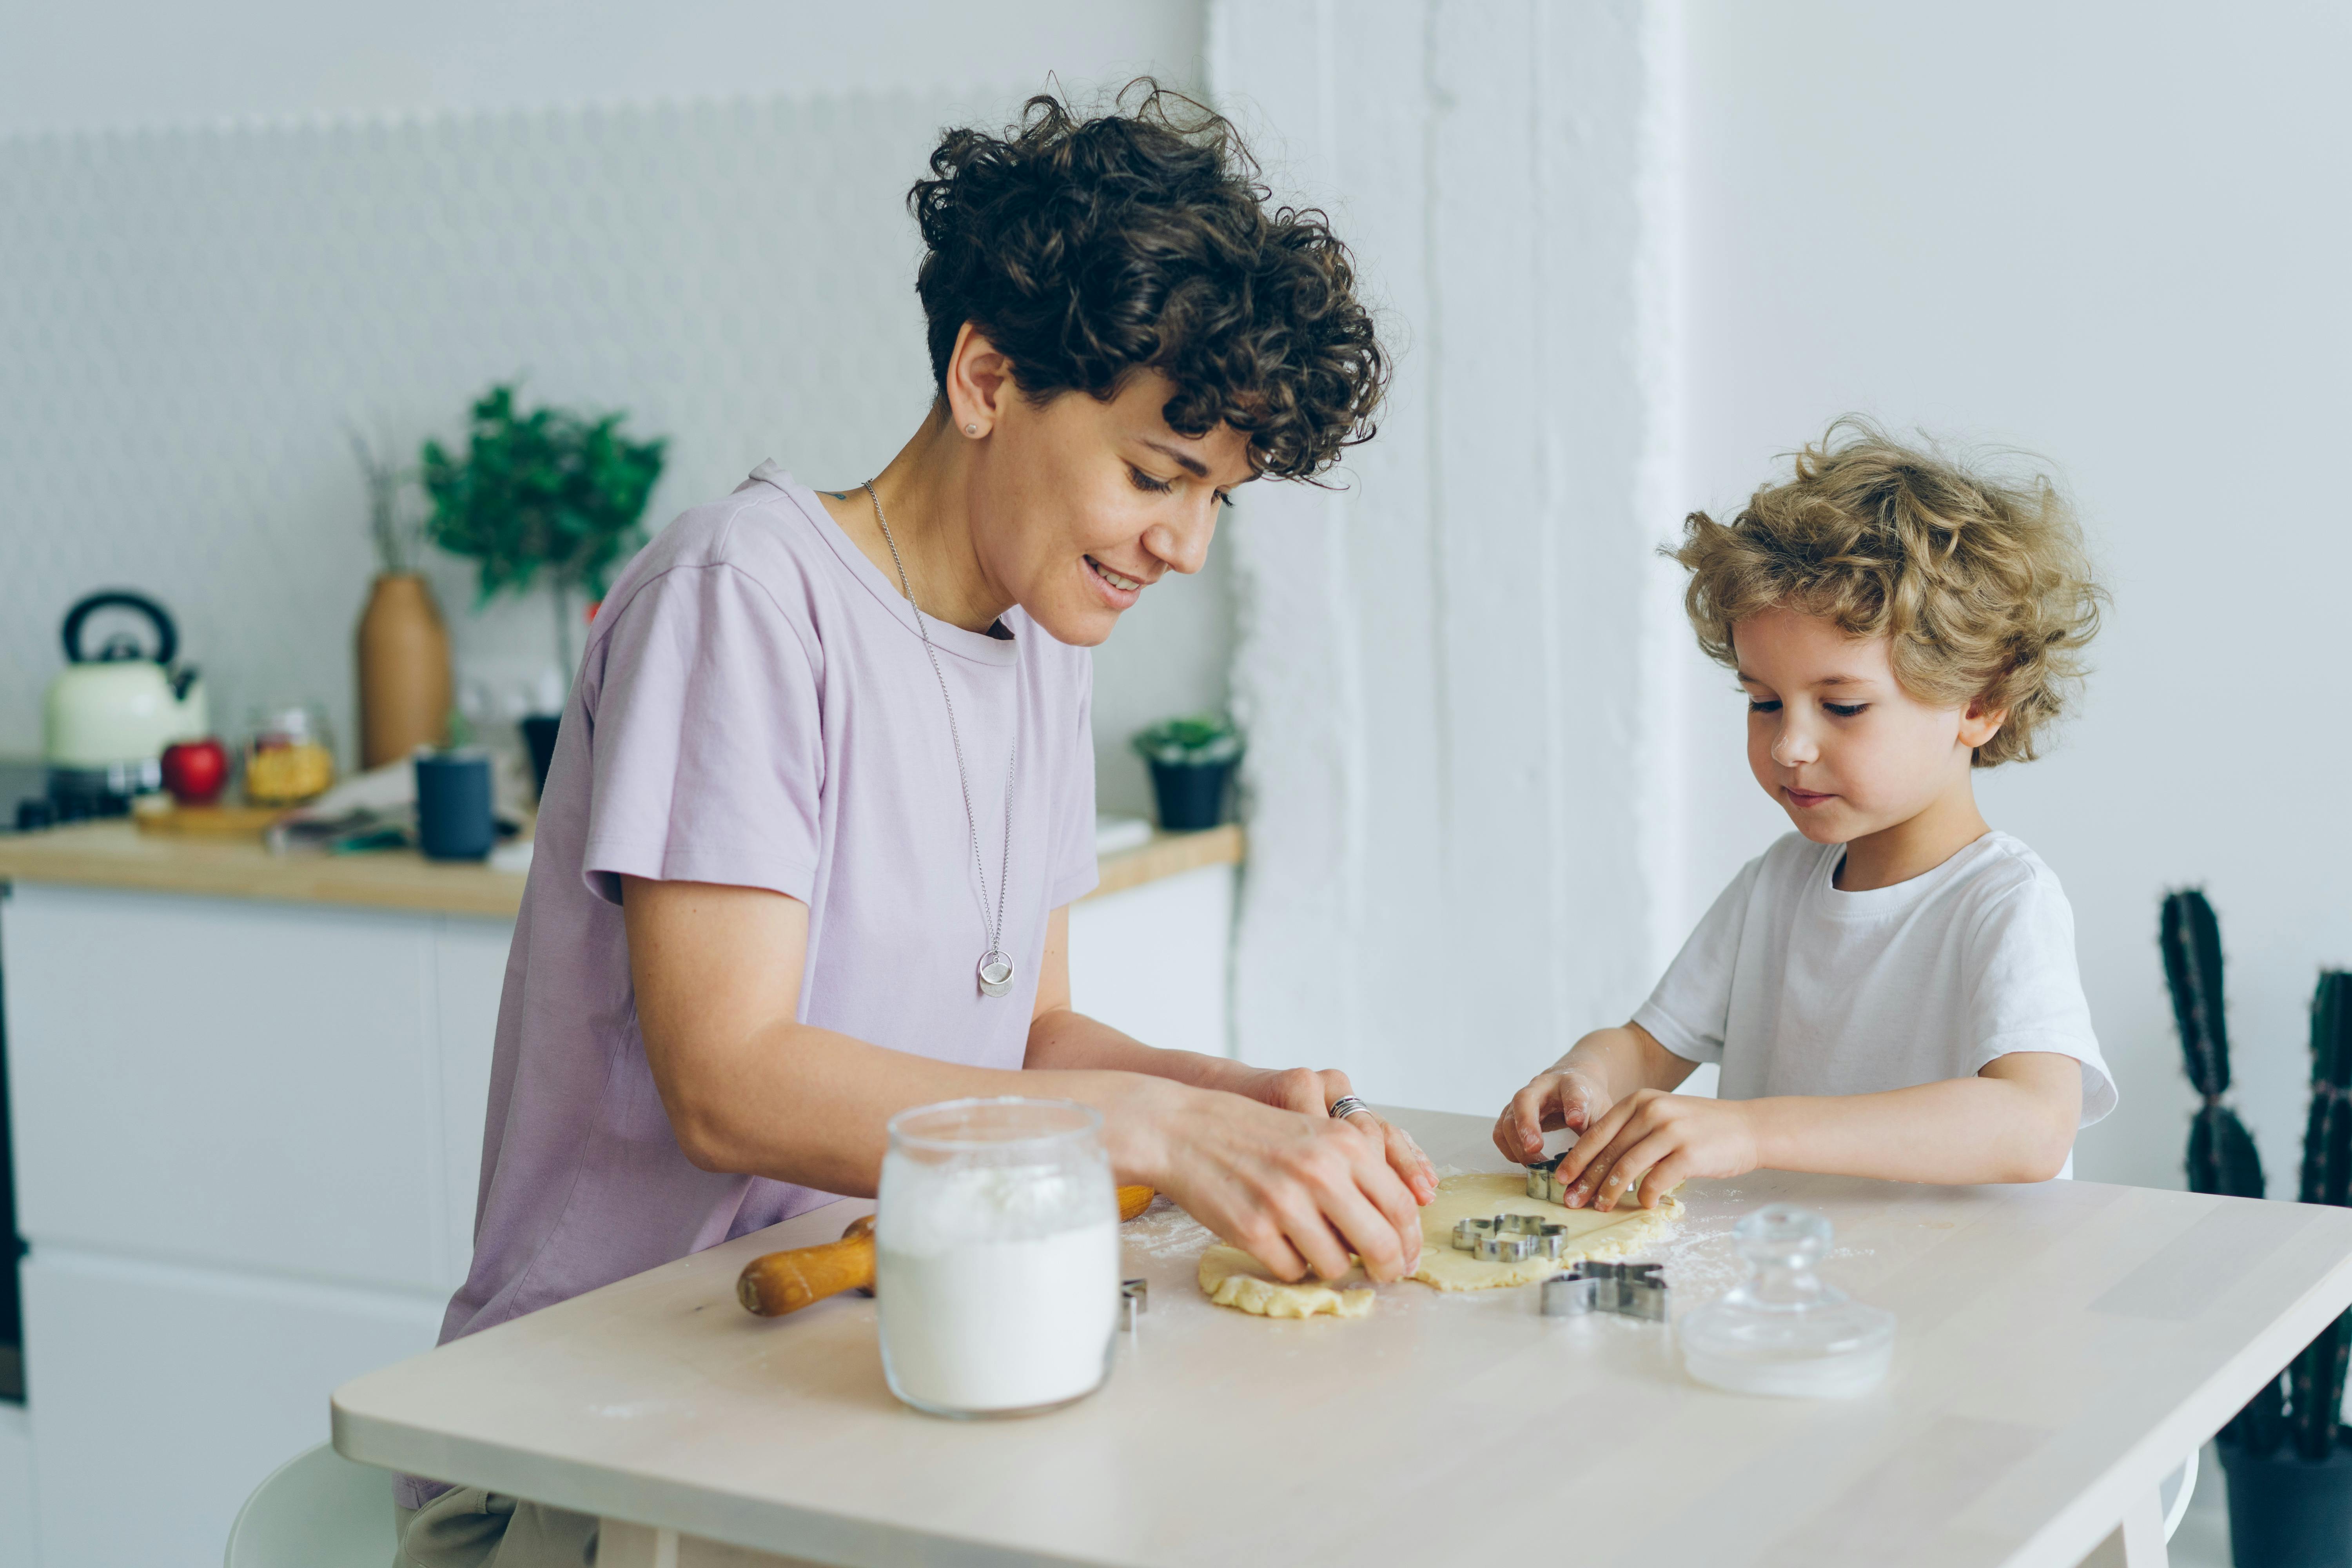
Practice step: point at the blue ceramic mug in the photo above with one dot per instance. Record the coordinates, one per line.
(453, 806)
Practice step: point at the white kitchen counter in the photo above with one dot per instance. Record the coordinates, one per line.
(2062, 1348)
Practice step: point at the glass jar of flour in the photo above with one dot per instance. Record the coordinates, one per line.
(996, 1256)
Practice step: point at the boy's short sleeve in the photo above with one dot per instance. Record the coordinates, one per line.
(2025, 994)
(705, 739)
(1690, 1011)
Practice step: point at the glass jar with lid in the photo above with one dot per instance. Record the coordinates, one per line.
(288, 753)
(1785, 1330)
(996, 1256)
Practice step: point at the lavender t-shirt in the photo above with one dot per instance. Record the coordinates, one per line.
(754, 708)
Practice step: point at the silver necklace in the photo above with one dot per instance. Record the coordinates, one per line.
(995, 968)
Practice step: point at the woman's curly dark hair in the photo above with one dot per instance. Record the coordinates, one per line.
(1088, 249)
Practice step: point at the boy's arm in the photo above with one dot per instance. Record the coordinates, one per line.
(2014, 1122)
(1578, 1091)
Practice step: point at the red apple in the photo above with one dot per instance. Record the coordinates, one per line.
(196, 771)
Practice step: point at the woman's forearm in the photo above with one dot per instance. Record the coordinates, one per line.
(809, 1106)
(748, 1089)
(1061, 1039)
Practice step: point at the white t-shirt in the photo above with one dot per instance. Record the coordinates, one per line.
(1798, 988)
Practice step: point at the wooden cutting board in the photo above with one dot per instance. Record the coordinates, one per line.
(245, 822)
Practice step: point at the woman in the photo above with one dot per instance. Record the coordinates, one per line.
(825, 789)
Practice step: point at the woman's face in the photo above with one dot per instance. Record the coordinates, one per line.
(1078, 506)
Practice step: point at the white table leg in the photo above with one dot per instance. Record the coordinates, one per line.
(622, 1544)
(2138, 1541)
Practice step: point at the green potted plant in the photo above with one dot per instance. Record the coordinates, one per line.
(2287, 1454)
(1192, 760)
(548, 494)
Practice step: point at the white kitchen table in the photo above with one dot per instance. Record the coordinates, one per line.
(2061, 1349)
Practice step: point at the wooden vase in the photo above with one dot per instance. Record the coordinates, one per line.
(405, 689)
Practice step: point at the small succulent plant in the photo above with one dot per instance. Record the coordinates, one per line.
(1198, 739)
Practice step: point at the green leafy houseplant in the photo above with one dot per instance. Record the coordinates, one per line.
(545, 492)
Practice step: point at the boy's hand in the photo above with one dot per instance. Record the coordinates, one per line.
(1568, 1097)
(1649, 1142)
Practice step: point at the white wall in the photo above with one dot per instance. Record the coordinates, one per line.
(112, 65)
(1462, 763)
(256, 224)
(2116, 235)
(1494, 782)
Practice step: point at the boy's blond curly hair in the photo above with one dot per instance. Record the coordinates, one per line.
(1982, 584)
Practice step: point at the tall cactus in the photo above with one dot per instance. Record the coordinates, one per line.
(2316, 1380)
(2221, 1156)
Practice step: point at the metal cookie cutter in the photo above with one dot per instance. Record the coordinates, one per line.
(1627, 1289)
(1543, 1179)
(1549, 1239)
(1468, 1232)
(1505, 1246)
(1134, 1300)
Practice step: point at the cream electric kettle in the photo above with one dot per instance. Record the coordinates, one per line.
(110, 713)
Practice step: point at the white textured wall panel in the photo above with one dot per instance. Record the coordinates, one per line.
(192, 318)
(1458, 747)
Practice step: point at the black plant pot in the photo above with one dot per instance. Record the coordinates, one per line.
(539, 734)
(1192, 795)
(2287, 1512)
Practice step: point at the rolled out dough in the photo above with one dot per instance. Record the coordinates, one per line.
(1232, 1278)
(1591, 1234)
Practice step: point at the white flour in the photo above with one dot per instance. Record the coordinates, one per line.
(997, 1285)
(1000, 1325)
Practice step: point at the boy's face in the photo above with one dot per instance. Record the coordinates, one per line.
(1834, 737)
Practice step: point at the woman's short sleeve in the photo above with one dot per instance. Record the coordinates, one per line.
(1076, 869)
(1690, 1012)
(705, 741)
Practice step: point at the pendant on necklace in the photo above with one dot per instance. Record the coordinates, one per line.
(995, 973)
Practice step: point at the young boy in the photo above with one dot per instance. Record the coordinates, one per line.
(1891, 989)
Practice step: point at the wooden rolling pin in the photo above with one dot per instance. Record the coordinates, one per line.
(786, 1281)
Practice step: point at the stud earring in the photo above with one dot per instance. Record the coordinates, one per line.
(971, 429)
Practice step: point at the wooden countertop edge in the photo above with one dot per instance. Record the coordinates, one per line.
(1168, 855)
(115, 855)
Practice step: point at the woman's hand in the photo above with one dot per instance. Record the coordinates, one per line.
(1296, 1190)
(1650, 1142)
(1571, 1095)
(1313, 1093)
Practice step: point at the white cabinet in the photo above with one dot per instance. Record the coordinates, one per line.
(247, 1136)
(231, 1083)
(469, 970)
(1154, 962)
(160, 1394)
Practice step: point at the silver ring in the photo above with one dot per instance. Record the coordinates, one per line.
(1347, 1105)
